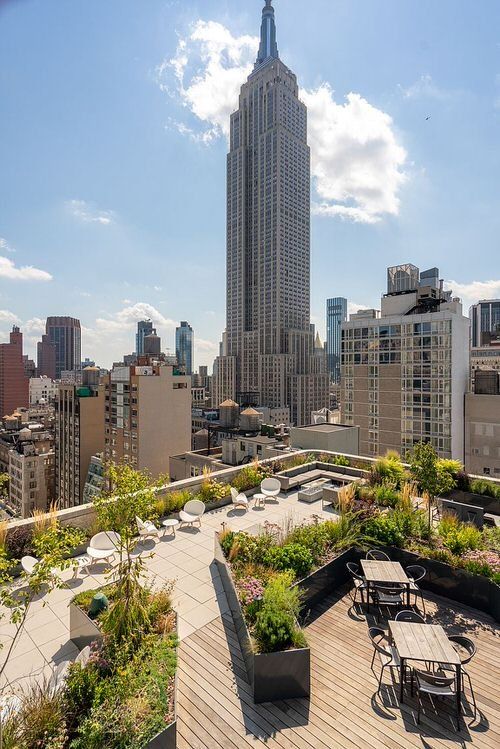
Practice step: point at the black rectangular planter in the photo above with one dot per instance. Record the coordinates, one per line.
(272, 676)
(459, 585)
(323, 581)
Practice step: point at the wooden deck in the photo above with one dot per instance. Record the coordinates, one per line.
(215, 708)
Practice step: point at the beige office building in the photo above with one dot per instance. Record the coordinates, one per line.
(79, 435)
(405, 371)
(147, 416)
(482, 425)
(31, 471)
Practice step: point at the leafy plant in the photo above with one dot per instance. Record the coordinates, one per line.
(386, 493)
(294, 557)
(385, 530)
(18, 543)
(212, 490)
(460, 538)
(485, 488)
(55, 536)
(250, 476)
(491, 538)
(390, 468)
(430, 474)
(275, 623)
(335, 460)
(40, 721)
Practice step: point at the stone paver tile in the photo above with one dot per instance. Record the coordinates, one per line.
(220, 605)
(24, 666)
(200, 616)
(37, 619)
(180, 559)
(193, 565)
(48, 632)
(204, 575)
(60, 649)
(184, 628)
(203, 593)
(183, 604)
(187, 584)
(24, 644)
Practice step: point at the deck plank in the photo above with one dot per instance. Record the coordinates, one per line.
(216, 711)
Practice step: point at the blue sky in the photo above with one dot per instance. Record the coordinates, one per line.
(112, 154)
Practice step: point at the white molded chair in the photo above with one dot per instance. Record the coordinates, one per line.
(103, 546)
(270, 487)
(58, 677)
(192, 512)
(83, 656)
(146, 528)
(28, 564)
(239, 499)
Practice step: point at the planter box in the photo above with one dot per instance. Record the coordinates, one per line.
(83, 630)
(459, 585)
(489, 504)
(272, 676)
(323, 581)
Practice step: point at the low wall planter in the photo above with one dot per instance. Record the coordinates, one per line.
(272, 676)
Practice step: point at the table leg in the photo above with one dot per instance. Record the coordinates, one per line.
(401, 680)
(408, 595)
(459, 694)
(367, 596)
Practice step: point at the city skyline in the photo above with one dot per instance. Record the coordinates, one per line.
(73, 194)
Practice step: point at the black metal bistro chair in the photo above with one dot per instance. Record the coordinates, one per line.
(416, 573)
(409, 616)
(359, 582)
(434, 685)
(387, 654)
(377, 555)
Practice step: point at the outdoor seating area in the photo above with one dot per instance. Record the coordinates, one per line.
(425, 659)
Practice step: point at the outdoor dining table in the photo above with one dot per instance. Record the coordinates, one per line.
(384, 573)
(428, 643)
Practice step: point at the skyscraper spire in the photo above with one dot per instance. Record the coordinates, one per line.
(268, 46)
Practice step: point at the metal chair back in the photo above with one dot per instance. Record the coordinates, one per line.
(377, 555)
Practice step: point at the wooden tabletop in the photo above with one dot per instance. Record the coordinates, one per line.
(423, 642)
(383, 572)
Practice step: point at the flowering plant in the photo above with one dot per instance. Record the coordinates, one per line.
(250, 589)
(489, 558)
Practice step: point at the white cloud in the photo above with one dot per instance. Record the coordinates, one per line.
(5, 247)
(356, 159)
(425, 88)
(471, 293)
(8, 317)
(353, 307)
(9, 270)
(357, 162)
(126, 318)
(208, 69)
(34, 327)
(206, 347)
(89, 213)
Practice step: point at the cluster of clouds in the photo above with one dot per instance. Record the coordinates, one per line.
(12, 272)
(357, 161)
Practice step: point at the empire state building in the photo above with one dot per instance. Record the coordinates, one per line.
(268, 355)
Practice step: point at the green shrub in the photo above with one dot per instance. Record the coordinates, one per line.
(461, 538)
(275, 623)
(175, 501)
(312, 537)
(291, 556)
(389, 469)
(249, 549)
(486, 488)
(386, 493)
(57, 536)
(212, 490)
(250, 477)
(335, 460)
(385, 530)
(491, 537)
(39, 723)
(453, 467)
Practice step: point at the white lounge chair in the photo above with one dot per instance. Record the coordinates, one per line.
(270, 487)
(28, 564)
(239, 499)
(83, 656)
(58, 677)
(103, 546)
(146, 528)
(192, 512)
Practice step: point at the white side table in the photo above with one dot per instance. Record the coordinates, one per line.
(82, 563)
(260, 500)
(171, 525)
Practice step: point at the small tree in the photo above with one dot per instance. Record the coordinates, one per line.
(131, 494)
(429, 475)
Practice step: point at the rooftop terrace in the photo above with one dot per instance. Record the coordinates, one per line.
(215, 706)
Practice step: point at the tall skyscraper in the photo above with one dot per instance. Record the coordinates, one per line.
(336, 314)
(485, 323)
(66, 335)
(144, 328)
(184, 347)
(14, 385)
(405, 371)
(46, 358)
(269, 342)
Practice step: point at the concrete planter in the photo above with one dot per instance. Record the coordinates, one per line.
(488, 504)
(273, 676)
(83, 630)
